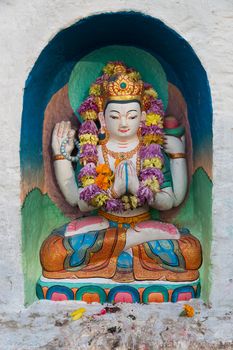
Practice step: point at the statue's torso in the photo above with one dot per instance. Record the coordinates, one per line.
(111, 160)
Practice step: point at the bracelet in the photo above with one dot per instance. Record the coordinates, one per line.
(67, 156)
(176, 155)
(58, 157)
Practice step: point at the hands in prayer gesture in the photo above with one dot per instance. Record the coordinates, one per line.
(126, 179)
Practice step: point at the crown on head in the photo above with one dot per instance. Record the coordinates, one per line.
(123, 88)
(118, 83)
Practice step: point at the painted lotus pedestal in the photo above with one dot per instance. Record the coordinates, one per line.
(124, 163)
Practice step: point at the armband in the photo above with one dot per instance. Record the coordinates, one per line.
(176, 155)
(58, 157)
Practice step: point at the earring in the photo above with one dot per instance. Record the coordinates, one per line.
(139, 133)
(103, 135)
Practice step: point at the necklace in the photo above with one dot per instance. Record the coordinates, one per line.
(119, 156)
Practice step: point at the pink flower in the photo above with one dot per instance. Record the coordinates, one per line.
(88, 127)
(148, 173)
(88, 104)
(114, 205)
(87, 170)
(151, 151)
(88, 151)
(152, 129)
(156, 106)
(89, 192)
(145, 195)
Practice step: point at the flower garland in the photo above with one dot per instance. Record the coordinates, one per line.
(97, 180)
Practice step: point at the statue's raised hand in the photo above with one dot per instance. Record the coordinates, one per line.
(61, 132)
(174, 144)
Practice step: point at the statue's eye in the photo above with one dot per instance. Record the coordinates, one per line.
(132, 116)
(114, 117)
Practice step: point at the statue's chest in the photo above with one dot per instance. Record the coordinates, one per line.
(114, 158)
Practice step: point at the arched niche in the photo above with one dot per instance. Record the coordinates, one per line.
(40, 212)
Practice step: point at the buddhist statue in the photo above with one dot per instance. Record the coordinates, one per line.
(131, 161)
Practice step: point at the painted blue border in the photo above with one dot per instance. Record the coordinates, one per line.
(183, 289)
(124, 289)
(60, 289)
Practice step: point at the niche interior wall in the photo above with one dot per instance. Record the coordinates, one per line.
(41, 211)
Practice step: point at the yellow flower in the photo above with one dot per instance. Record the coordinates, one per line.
(88, 138)
(119, 68)
(89, 115)
(133, 201)
(125, 199)
(99, 200)
(153, 184)
(148, 139)
(87, 180)
(153, 162)
(151, 92)
(99, 100)
(77, 314)
(146, 101)
(82, 310)
(154, 119)
(109, 69)
(95, 90)
(189, 311)
(134, 76)
(126, 204)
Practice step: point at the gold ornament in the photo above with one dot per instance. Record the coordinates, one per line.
(58, 157)
(176, 155)
(123, 89)
(120, 156)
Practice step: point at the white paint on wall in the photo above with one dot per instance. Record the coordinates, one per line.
(25, 29)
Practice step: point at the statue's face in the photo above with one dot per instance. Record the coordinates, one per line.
(122, 120)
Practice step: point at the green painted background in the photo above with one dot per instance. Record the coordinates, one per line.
(39, 217)
(196, 215)
(90, 67)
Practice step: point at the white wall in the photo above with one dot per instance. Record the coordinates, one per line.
(25, 29)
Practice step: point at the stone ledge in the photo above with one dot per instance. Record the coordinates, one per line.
(46, 325)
